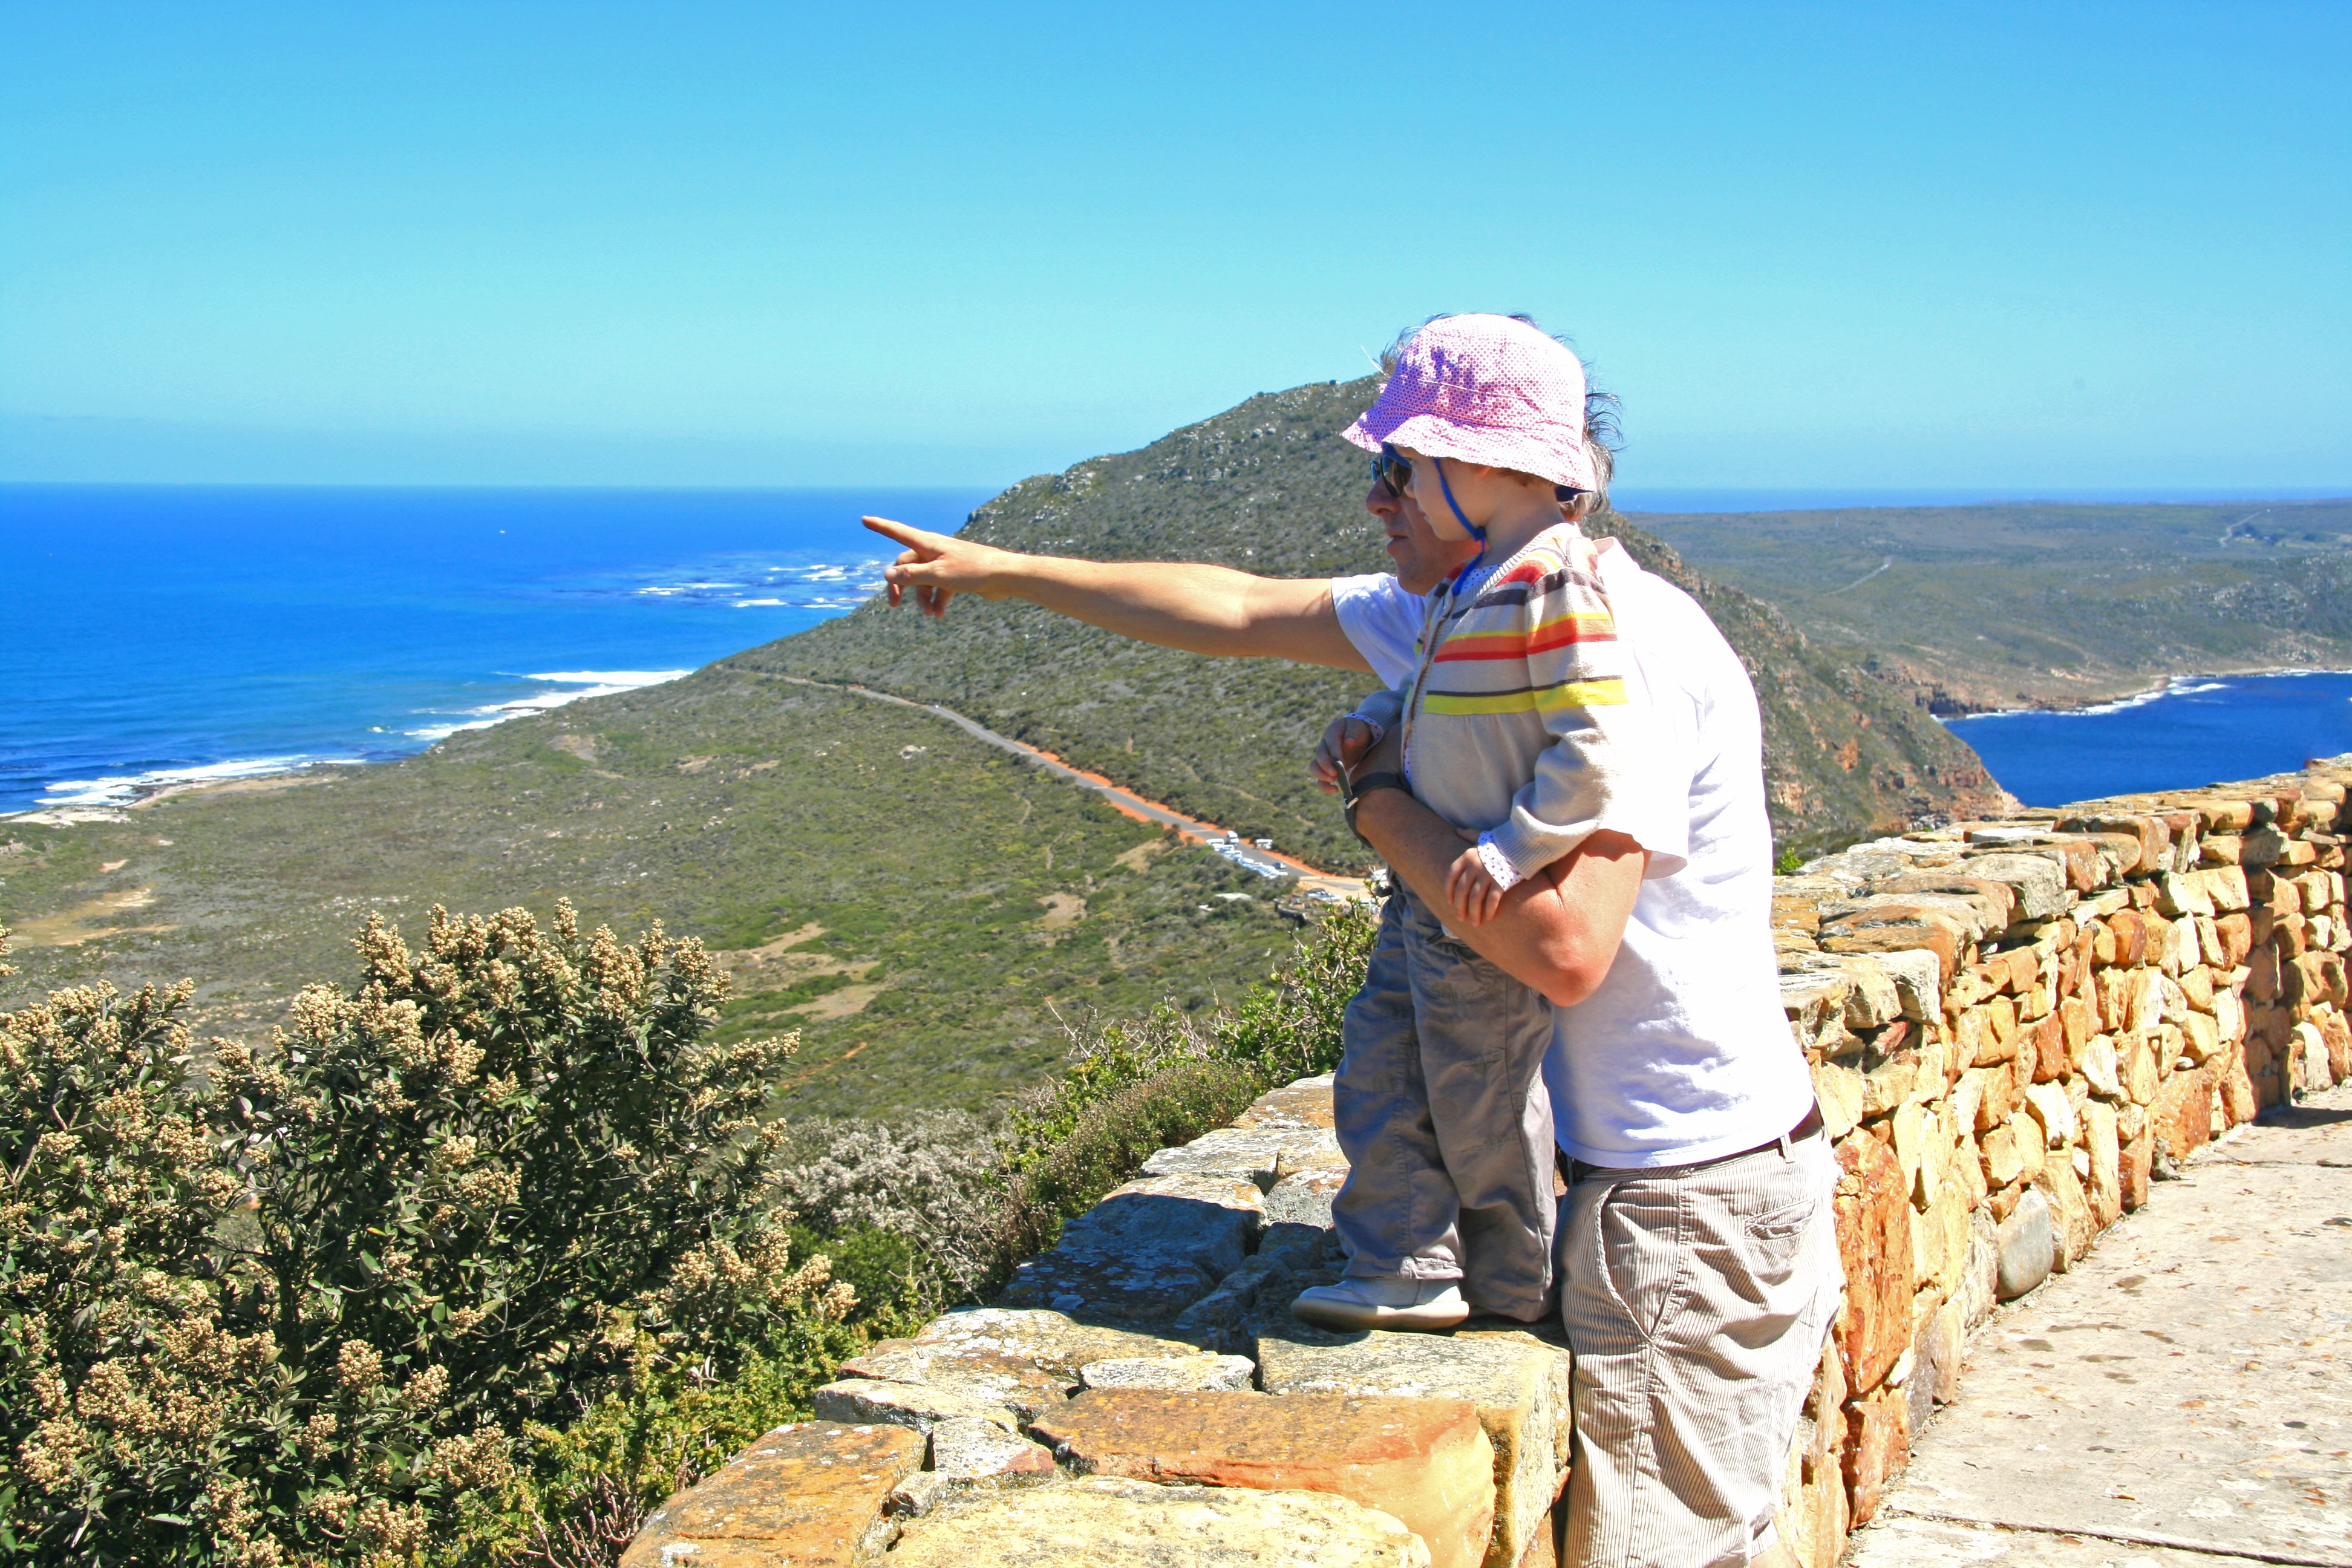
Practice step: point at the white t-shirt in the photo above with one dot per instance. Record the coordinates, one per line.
(1683, 1054)
(1383, 621)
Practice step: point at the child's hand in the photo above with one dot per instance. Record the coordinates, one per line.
(1343, 747)
(1472, 889)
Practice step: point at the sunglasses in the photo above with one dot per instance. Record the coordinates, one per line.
(1392, 469)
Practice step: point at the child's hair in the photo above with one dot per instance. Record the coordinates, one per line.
(1601, 439)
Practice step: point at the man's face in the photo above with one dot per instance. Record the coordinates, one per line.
(1422, 560)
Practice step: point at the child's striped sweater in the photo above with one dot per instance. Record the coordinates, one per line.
(1522, 718)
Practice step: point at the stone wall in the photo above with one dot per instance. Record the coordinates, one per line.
(2013, 1027)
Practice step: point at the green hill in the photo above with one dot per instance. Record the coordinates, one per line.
(2046, 606)
(1268, 486)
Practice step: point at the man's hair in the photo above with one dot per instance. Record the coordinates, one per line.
(1601, 436)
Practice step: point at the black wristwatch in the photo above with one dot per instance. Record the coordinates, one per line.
(1357, 789)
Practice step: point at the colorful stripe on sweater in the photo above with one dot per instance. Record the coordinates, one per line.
(1518, 721)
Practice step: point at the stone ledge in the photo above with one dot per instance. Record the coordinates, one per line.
(1516, 1380)
(1026, 1361)
(1149, 1250)
(1426, 1460)
(1109, 1522)
(810, 1495)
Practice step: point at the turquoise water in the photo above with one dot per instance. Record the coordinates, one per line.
(154, 634)
(2200, 731)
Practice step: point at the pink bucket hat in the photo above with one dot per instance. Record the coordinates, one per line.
(1485, 389)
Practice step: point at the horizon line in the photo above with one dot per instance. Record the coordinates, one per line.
(1626, 500)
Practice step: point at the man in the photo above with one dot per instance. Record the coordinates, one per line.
(1698, 1269)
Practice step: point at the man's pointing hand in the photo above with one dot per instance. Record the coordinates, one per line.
(1175, 603)
(937, 567)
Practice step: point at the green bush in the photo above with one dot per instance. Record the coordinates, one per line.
(909, 1211)
(1289, 1027)
(290, 1307)
(917, 1216)
(584, 1489)
(1106, 1143)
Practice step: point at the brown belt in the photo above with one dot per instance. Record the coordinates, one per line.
(1807, 1126)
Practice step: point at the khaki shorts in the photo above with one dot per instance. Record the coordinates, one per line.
(1697, 1300)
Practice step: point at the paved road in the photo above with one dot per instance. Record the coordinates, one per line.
(1239, 851)
(2182, 1398)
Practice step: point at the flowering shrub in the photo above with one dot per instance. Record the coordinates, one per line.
(945, 1209)
(287, 1306)
(928, 1180)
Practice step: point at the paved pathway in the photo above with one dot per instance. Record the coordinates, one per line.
(2182, 1398)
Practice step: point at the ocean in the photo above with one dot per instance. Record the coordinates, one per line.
(161, 635)
(2198, 730)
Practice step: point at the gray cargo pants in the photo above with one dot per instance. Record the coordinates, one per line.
(1440, 1106)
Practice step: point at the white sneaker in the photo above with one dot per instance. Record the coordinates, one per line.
(1387, 1303)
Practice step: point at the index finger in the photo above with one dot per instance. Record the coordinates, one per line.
(905, 533)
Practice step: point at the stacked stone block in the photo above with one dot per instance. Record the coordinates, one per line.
(2013, 1027)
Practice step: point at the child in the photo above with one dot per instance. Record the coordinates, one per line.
(1517, 729)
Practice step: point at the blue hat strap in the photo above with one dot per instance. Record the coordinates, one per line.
(1474, 531)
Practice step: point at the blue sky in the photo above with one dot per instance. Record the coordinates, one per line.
(2078, 245)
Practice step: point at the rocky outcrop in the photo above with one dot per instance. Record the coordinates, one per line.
(2013, 1027)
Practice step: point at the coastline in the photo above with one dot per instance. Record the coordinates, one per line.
(269, 775)
(2266, 721)
(128, 791)
(276, 632)
(2165, 685)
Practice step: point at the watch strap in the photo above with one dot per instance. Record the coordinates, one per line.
(1358, 788)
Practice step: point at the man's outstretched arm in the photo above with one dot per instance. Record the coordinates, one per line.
(1182, 604)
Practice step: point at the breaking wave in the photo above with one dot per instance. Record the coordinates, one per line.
(577, 684)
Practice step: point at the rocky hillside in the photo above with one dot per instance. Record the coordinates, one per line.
(1269, 487)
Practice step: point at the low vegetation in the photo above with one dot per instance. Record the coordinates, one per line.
(916, 905)
(2035, 603)
(484, 1255)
